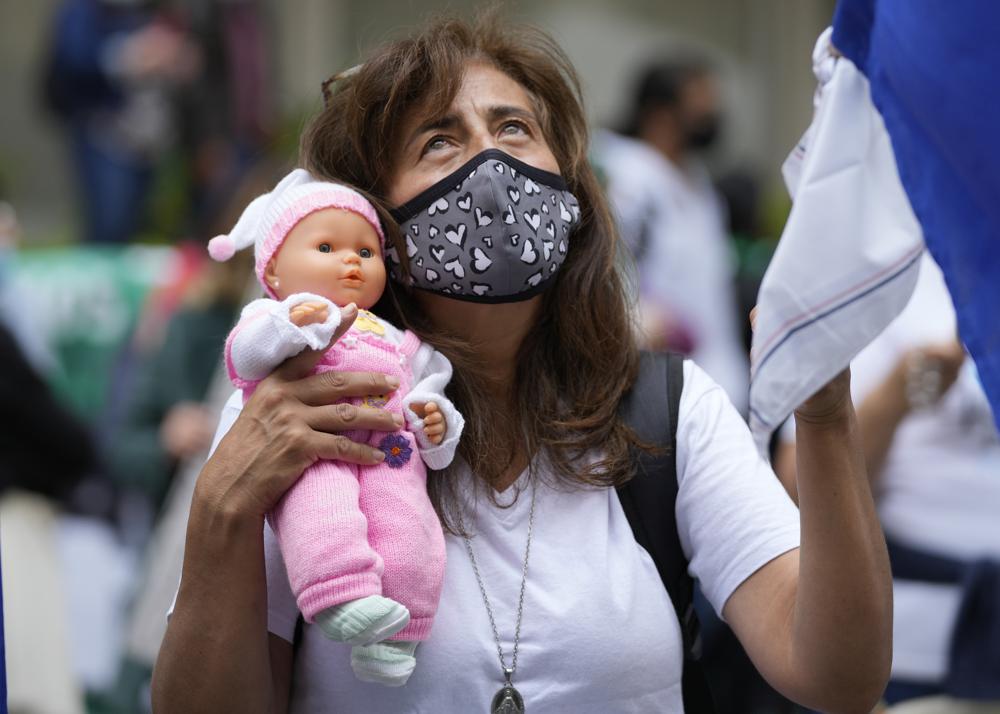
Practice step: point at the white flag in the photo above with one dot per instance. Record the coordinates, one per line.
(848, 258)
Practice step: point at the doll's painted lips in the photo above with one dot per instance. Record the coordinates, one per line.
(353, 279)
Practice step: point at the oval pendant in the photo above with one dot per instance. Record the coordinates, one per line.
(507, 701)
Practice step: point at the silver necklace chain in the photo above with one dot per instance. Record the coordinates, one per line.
(508, 673)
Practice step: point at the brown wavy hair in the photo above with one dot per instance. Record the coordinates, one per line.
(580, 357)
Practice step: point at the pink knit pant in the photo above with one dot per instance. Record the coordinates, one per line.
(349, 531)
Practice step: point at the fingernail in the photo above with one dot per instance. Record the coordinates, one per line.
(378, 455)
(393, 382)
(397, 419)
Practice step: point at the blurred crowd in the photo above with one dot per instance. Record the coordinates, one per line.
(137, 84)
(168, 120)
(112, 343)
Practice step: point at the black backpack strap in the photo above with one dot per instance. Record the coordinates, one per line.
(649, 499)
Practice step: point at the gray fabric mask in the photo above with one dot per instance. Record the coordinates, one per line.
(495, 230)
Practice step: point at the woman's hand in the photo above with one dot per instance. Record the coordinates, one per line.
(830, 402)
(291, 421)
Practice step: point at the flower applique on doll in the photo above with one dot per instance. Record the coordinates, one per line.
(362, 545)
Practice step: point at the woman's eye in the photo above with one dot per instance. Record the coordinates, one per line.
(365, 253)
(514, 127)
(438, 142)
(324, 247)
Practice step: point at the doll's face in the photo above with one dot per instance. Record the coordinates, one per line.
(333, 253)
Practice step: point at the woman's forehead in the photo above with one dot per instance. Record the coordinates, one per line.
(484, 83)
(483, 87)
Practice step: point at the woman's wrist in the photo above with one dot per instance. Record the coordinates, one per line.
(220, 531)
(831, 405)
(214, 504)
(835, 417)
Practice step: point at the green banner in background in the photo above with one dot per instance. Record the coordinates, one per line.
(83, 303)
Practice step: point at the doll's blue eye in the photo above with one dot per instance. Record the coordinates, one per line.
(365, 253)
(324, 247)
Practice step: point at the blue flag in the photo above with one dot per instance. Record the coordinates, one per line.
(934, 69)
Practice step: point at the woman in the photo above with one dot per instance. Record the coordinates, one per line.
(539, 372)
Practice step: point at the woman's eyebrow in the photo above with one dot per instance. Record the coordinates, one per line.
(503, 111)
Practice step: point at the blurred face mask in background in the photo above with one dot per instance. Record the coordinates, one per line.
(703, 131)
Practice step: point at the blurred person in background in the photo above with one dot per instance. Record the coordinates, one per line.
(164, 102)
(112, 66)
(166, 418)
(225, 115)
(46, 451)
(166, 422)
(12, 302)
(740, 192)
(65, 571)
(31, 413)
(33, 420)
(673, 220)
(933, 458)
(678, 228)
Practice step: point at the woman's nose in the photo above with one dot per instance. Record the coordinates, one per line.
(480, 142)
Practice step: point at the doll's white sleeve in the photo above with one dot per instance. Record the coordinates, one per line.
(265, 336)
(431, 374)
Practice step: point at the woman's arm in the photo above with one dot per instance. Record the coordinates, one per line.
(878, 416)
(817, 622)
(216, 654)
(281, 672)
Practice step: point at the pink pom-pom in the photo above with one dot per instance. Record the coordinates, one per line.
(221, 248)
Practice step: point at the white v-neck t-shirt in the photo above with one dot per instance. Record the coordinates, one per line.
(599, 633)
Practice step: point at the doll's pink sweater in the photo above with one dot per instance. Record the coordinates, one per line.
(348, 532)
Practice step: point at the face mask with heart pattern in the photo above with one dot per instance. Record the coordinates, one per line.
(495, 230)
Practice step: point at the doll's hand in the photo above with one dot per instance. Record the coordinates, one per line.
(308, 313)
(434, 422)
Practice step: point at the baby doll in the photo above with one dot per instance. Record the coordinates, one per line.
(362, 545)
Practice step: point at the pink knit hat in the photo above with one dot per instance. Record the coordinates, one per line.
(270, 218)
